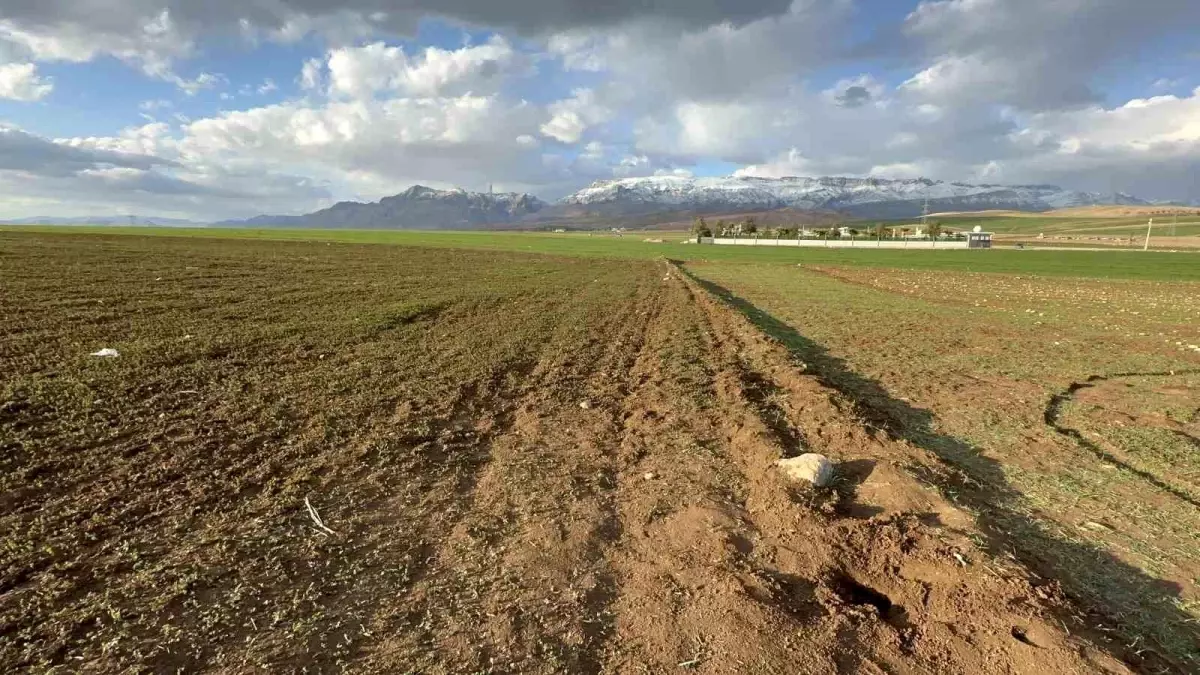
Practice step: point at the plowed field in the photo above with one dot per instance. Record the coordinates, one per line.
(325, 458)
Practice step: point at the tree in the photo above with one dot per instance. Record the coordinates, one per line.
(935, 229)
(821, 233)
(700, 228)
(853, 232)
(721, 228)
(749, 226)
(881, 231)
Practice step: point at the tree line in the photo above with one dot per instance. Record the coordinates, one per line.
(748, 226)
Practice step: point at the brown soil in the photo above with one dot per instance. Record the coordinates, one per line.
(1069, 405)
(607, 505)
(1116, 211)
(1097, 240)
(1110, 211)
(649, 531)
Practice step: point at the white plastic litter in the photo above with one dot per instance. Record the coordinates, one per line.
(107, 353)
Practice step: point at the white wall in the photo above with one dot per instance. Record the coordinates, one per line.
(836, 243)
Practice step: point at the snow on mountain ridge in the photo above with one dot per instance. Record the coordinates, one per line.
(830, 192)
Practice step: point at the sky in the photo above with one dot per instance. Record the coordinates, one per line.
(232, 108)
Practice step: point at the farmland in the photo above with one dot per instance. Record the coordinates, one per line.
(412, 452)
(1071, 406)
(1108, 264)
(1170, 230)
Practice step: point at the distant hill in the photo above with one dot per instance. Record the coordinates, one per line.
(126, 221)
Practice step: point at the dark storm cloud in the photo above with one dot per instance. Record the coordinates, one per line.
(21, 151)
(525, 16)
(1034, 54)
(854, 97)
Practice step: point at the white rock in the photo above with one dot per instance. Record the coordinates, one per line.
(586, 405)
(811, 467)
(649, 475)
(107, 353)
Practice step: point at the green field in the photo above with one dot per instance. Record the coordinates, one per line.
(1102, 264)
(1187, 226)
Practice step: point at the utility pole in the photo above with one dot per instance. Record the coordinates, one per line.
(925, 216)
(1149, 226)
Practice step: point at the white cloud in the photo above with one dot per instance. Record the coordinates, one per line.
(578, 51)
(678, 173)
(379, 69)
(20, 82)
(995, 89)
(571, 117)
(360, 72)
(193, 86)
(790, 163)
(472, 69)
(311, 76)
(150, 41)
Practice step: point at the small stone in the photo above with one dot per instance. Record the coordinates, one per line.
(811, 467)
(650, 475)
(107, 353)
(586, 405)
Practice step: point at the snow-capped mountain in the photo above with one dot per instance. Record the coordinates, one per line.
(865, 197)
(662, 200)
(418, 207)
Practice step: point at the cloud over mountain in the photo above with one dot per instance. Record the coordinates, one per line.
(370, 96)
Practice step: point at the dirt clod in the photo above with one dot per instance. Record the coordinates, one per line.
(809, 467)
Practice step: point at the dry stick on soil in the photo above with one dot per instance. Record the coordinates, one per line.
(316, 518)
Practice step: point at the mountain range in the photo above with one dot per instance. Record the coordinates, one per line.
(418, 207)
(660, 200)
(669, 200)
(855, 197)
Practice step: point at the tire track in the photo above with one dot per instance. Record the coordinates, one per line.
(1053, 414)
